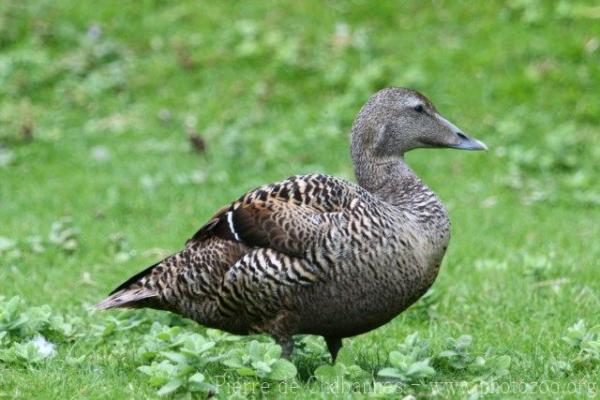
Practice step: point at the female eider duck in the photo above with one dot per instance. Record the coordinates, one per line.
(315, 254)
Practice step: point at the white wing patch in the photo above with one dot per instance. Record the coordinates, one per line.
(231, 228)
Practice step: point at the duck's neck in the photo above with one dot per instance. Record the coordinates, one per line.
(422, 212)
(392, 181)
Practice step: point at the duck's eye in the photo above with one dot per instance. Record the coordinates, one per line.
(419, 108)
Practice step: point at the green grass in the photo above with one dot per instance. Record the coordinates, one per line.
(96, 101)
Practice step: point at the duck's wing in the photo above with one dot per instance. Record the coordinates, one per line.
(294, 216)
(259, 248)
(296, 231)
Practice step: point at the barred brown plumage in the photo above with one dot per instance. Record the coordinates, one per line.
(316, 254)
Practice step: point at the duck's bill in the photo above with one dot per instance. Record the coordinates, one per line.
(462, 141)
(467, 143)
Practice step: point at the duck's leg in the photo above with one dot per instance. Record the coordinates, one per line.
(334, 344)
(282, 329)
(287, 346)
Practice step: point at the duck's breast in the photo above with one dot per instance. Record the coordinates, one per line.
(384, 263)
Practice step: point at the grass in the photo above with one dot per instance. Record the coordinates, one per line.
(97, 102)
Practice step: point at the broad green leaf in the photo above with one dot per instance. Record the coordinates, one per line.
(233, 362)
(398, 359)
(326, 373)
(170, 387)
(272, 352)
(420, 370)
(390, 373)
(246, 371)
(448, 353)
(261, 367)
(282, 370)
(197, 378)
(175, 357)
(255, 350)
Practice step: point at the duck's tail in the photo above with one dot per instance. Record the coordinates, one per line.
(138, 291)
(129, 298)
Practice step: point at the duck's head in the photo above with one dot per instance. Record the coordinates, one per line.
(396, 120)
